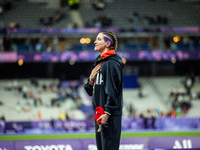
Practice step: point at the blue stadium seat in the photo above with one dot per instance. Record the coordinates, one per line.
(145, 46)
(131, 47)
(77, 47)
(22, 48)
(183, 47)
(196, 46)
(90, 47)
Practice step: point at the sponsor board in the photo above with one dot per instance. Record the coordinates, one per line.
(174, 142)
(6, 145)
(84, 56)
(155, 143)
(70, 144)
(125, 144)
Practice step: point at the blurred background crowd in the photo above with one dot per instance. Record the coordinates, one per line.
(50, 91)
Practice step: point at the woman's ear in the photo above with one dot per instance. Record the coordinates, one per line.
(108, 44)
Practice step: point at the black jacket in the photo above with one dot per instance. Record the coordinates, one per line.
(108, 88)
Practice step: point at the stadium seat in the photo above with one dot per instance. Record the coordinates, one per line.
(196, 46)
(22, 48)
(145, 46)
(77, 47)
(183, 47)
(131, 47)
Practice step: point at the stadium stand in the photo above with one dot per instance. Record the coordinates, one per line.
(45, 99)
(148, 15)
(119, 12)
(28, 15)
(39, 101)
(184, 15)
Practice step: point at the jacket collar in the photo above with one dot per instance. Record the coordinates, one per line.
(108, 53)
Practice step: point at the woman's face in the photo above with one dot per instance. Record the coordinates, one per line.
(100, 44)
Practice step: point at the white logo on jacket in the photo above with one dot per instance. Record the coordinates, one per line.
(99, 79)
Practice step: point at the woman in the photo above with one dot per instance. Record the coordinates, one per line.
(105, 85)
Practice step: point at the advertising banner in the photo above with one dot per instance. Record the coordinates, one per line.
(87, 56)
(155, 143)
(177, 123)
(97, 30)
(69, 125)
(8, 56)
(67, 144)
(174, 142)
(6, 145)
(72, 125)
(130, 123)
(133, 143)
(20, 126)
(125, 144)
(77, 144)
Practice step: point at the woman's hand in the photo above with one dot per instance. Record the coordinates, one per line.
(94, 73)
(103, 118)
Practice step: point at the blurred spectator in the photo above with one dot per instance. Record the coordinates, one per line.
(35, 101)
(173, 113)
(41, 45)
(31, 94)
(18, 107)
(72, 25)
(2, 118)
(141, 92)
(26, 108)
(105, 20)
(150, 20)
(73, 4)
(134, 16)
(20, 89)
(48, 20)
(39, 115)
(7, 44)
(98, 4)
(198, 95)
(34, 82)
(52, 123)
(44, 87)
(24, 91)
(51, 87)
(1, 11)
(2, 27)
(9, 87)
(188, 84)
(1, 103)
(194, 93)
(97, 23)
(193, 78)
(89, 22)
(40, 101)
(102, 20)
(58, 15)
(131, 110)
(164, 20)
(158, 19)
(175, 103)
(185, 105)
(62, 116)
(7, 5)
(148, 115)
(13, 25)
(172, 93)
